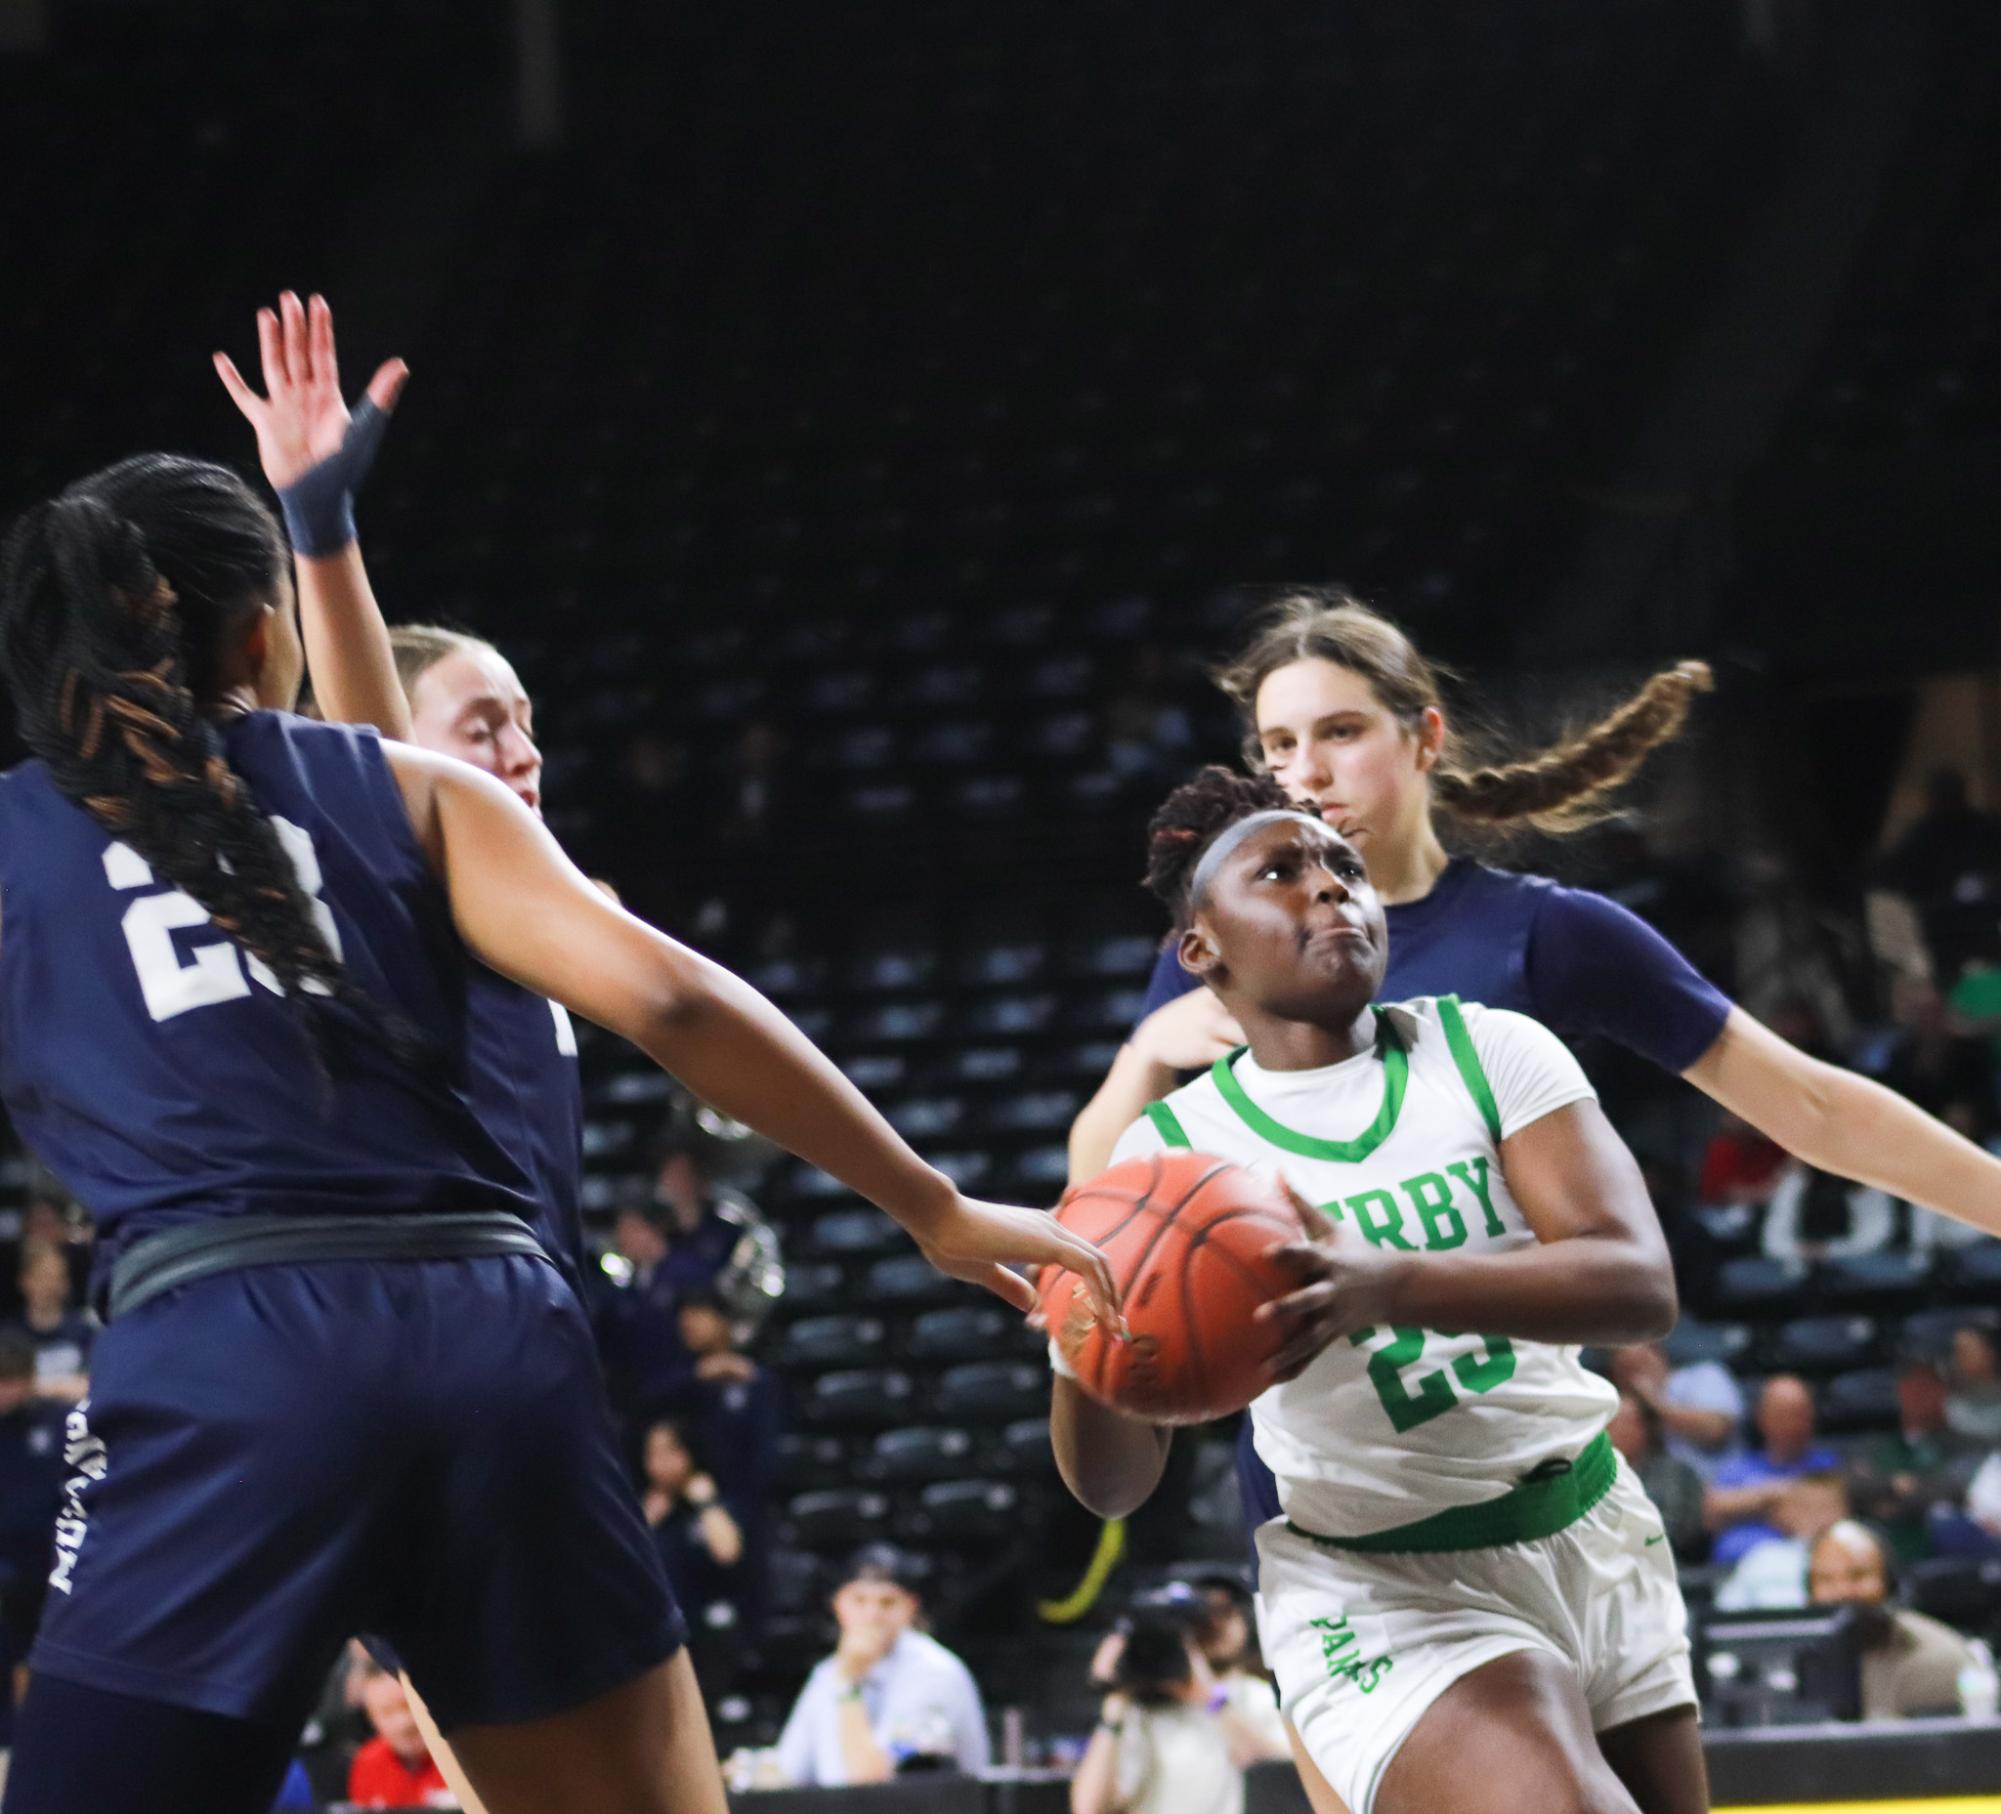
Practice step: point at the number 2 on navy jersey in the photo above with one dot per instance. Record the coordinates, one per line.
(211, 973)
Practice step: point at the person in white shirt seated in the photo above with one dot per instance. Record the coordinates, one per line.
(1771, 1576)
(1253, 1727)
(1162, 1743)
(891, 1698)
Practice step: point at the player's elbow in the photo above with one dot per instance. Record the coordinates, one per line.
(1650, 1304)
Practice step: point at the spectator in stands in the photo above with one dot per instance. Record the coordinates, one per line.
(890, 1698)
(53, 1221)
(639, 1327)
(1740, 1165)
(62, 1334)
(1975, 1000)
(1772, 1574)
(1675, 1488)
(1900, 1479)
(699, 1220)
(733, 1404)
(1947, 861)
(1973, 1406)
(1162, 1744)
(1699, 1408)
(1928, 1059)
(1240, 1695)
(1910, 1663)
(1744, 1491)
(31, 1490)
(701, 1547)
(1813, 1216)
(394, 1769)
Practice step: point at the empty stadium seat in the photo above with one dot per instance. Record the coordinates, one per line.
(837, 1518)
(921, 1454)
(965, 1332)
(968, 1511)
(993, 1391)
(829, 1341)
(859, 1396)
(1822, 1344)
(1864, 1400)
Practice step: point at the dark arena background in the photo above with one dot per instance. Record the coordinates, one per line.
(864, 426)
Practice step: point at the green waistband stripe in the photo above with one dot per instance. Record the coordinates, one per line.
(1536, 1508)
(1467, 1057)
(1167, 1126)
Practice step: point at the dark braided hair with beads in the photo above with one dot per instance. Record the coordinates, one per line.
(1191, 818)
(117, 600)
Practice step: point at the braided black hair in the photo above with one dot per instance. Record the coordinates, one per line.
(116, 602)
(1191, 818)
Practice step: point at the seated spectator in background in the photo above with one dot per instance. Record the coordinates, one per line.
(734, 1405)
(31, 1491)
(1160, 1746)
(639, 1328)
(700, 1545)
(1700, 1407)
(62, 1334)
(1228, 1641)
(1772, 1574)
(1928, 1059)
(1813, 1216)
(1675, 1488)
(1973, 1405)
(1975, 999)
(1745, 1489)
(1739, 1166)
(700, 1237)
(890, 1698)
(1948, 863)
(393, 1770)
(1900, 1479)
(1910, 1664)
(53, 1221)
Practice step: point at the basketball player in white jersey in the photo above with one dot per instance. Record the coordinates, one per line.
(1468, 1600)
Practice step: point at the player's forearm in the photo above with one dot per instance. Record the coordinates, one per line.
(1841, 1122)
(348, 652)
(1592, 1288)
(1133, 1081)
(736, 1051)
(1110, 1463)
(1875, 1136)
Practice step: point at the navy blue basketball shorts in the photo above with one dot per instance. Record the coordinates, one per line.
(275, 1459)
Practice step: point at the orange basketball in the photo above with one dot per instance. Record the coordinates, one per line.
(1187, 1236)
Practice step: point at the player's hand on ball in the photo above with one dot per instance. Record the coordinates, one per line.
(1344, 1285)
(978, 1242)
(1190, 1033)
(303, 419)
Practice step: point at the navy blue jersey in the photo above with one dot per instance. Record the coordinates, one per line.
(1580, 964)
(521, 1073)
(163, 1079)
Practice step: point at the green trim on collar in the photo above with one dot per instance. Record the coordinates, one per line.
(1396, 1076)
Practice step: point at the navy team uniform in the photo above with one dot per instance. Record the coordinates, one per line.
(1580, 964)
(275, 1456)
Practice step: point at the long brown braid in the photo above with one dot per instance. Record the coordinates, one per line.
(110, 663)
(1555, 790)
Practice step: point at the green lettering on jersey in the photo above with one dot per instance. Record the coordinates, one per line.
(1388, 1231)
(1474, 1174)
(1431, 1197)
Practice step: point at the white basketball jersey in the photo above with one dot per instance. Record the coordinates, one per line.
(1400, 1146)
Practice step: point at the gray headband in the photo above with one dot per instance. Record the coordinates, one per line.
(1228, 839)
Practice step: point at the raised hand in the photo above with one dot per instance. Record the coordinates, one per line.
(1344, 1285)
(1189, 1033)
(978, 1242)
(303, 419)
